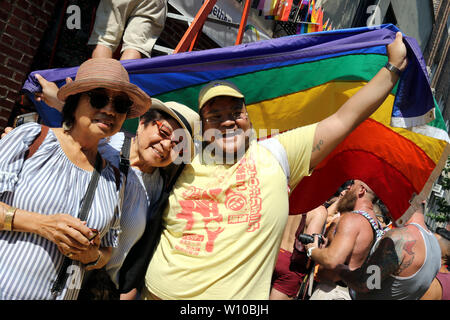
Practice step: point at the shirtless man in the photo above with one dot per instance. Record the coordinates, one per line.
(351, 244)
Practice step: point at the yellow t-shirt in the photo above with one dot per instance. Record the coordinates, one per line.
(224, 224)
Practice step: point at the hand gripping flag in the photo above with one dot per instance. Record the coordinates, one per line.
(298, 80)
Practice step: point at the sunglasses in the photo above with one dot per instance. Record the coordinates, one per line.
(100, 99)
(166, 133)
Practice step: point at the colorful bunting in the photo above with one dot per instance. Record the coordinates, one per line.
(284, 10)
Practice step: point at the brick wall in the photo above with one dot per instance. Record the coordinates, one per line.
(22, 25)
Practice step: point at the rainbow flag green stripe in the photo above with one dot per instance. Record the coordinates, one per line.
(259, 86)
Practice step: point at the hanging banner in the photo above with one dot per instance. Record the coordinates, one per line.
(229, 11)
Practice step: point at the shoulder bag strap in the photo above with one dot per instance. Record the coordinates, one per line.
(61, 279)
(37, 142)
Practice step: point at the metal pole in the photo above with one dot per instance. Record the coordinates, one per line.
(195, 26)
(243, 22)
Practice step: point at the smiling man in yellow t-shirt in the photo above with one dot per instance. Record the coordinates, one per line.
(229, 207)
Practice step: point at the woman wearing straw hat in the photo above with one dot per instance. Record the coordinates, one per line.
(40, 196)
(152, 149)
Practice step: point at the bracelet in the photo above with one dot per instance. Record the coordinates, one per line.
(326, 204)
(309, 252)
(8, 223)
(393, 69)
(93, 263)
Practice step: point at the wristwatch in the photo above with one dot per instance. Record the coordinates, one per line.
(393, 69)
(309, 252)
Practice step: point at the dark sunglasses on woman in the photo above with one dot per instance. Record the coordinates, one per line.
(99, 98)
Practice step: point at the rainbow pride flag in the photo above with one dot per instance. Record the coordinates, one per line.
(298, 80)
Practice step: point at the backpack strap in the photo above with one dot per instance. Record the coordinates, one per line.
(37, 142)
(116, 176)
(378, 231)
(124, 164)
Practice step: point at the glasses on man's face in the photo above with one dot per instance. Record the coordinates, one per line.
(166, 133)
(100, 99)
(218, 118)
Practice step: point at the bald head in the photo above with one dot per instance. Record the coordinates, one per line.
(371, 196)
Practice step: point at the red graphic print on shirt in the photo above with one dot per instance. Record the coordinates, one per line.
(241, 204)
(211, 218)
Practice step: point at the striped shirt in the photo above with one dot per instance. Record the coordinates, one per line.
(142, 191)
(47, 183)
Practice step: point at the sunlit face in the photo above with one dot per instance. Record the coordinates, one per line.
(102, 122)
(348, 200)
(357, 189)
(155, 142)
(226, 124)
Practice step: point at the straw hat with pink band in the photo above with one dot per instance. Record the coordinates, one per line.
(110, 74)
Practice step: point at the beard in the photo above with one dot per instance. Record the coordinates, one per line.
(347, 202)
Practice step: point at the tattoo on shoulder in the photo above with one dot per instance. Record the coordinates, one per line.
(318, 146)
(408, 257)
(408, 247)
(404, 248)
